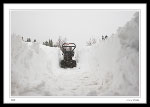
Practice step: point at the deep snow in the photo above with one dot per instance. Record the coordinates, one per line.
(107, 68)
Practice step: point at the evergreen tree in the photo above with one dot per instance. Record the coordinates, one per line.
(51, 43)
(46, 43)
(29, 40)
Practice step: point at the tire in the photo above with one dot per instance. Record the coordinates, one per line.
(62, 64)
(73, 63)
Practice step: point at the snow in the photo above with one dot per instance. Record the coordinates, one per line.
(107, 68)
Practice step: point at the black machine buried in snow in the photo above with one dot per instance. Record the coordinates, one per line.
(68, 53)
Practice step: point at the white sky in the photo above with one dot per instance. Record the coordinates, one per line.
(76, 25)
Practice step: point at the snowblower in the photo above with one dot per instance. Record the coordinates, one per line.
(68, 53)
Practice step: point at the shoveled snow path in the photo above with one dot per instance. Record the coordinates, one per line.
(75, 81)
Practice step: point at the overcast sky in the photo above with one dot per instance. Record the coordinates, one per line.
(76, 25)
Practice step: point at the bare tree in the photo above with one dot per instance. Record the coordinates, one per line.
(61, 41)
(91, 41)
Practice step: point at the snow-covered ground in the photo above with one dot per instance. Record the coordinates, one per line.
(107, 68)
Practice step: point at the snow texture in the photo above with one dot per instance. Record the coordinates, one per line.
(107, 68)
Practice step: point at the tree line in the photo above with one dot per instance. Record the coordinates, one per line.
(50, 42)
(92, 41)
(28, 40)
(58, 43)
(61, 40)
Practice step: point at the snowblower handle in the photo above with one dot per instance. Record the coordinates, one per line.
(64, 45)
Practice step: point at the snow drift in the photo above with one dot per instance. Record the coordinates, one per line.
(107, 68)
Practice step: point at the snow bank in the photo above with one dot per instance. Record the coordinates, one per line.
(129, 34)
(30, 66)
(129, 55)
(115, 61)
